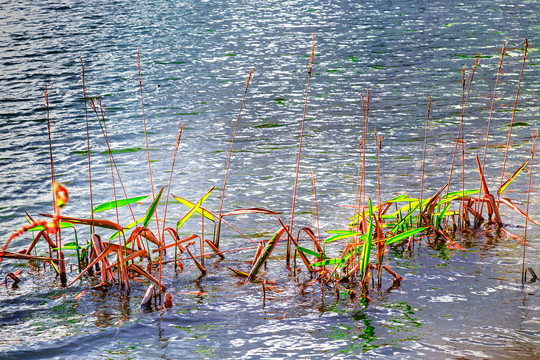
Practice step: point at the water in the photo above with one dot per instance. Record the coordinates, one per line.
(195, 58)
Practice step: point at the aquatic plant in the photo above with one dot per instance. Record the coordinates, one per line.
(371, 232)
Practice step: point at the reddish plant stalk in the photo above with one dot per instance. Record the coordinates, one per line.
(60, 256)
(88, 146)
(460, 136)
(424, 155)
(513, 115)
(315, 207)
(300, 151)
(111, 156)
(229, 159)
(489, 121)
(534, 136)
(147, 148)
(167, 201)
(104, 130)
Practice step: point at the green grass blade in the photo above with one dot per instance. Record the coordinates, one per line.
(200, 211)
(186, 217)
(115, 235)
(456, 194)
(406, 217)
(366, 249)
(309, 252)
(328, 262)
(266, 253)
(509, 181)
(61, 225)
(404, 235)
(152, 209)
(341, 235)
(114, 204)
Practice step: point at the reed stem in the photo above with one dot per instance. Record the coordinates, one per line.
(534, 136)
(288, 259)
(513, 115)
(229, 159)
(424, 155)
(88, 146)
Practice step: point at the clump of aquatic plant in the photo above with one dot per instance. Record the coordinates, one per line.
(372, 230)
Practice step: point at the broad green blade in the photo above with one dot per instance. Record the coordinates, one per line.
(114, 204)
(68, 248)
(186, 217)
(456, 194)
(266, 253)
(403, 235)
(152, 209)
(309, 252)
(366, 249)
(411, 204)
(115, 235)
(200, 211)
(413, 210)
(509, 181)
(340, 232)
(403, 197)
(61, 225)
(328, 262)
(342, 235)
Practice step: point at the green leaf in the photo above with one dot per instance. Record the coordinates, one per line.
(152, 209)
(114, 204)
(266, 253)
(456, 194)
(399, 198)
(199, 210)
(328, 262)
(75, 247)
(366, 249)
(403, 235)
(115, 235)
(186, 217)
(412, 204)
(61, 225)
(309, 252)
(413, 210)
(341, 235)
(509, 181)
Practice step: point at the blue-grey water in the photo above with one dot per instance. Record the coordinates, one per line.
(195, 58)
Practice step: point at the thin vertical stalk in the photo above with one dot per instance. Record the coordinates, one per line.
(148, 150)
(424, 155)
(288, 260)
(88, 147)
(503, 50)
(534, 136)
(364, 150)
(378, 146)
(513, 115)
(460, 134)
(104, 130)
(181, 129)
(229, 159)
(493, 102)
(61, 263)
(315, 206)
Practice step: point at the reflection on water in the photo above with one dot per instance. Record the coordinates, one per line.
(195, 59)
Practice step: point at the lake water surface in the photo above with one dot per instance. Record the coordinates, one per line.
(195, 58)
